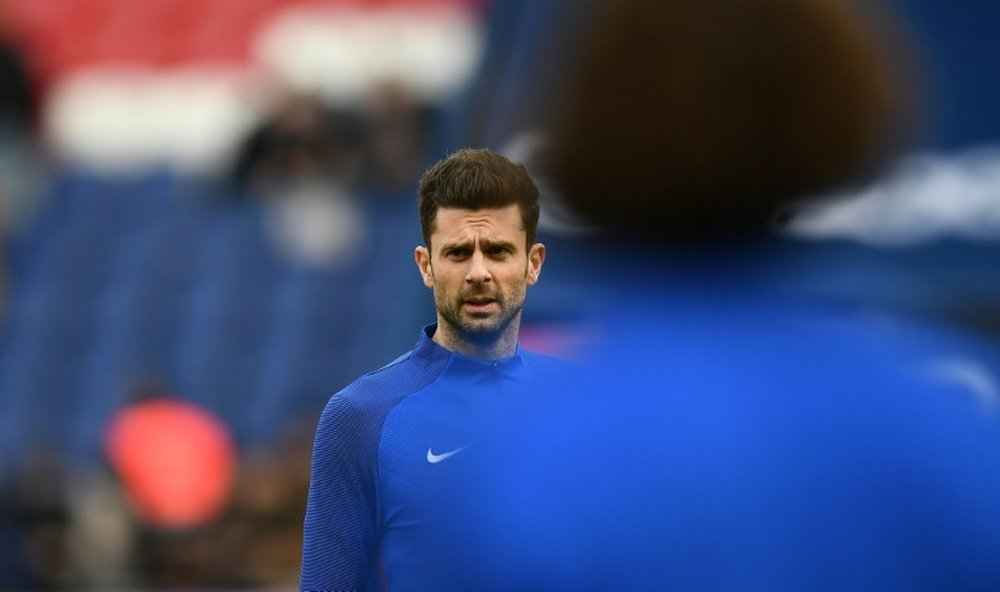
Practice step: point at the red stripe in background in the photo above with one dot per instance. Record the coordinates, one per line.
(60, 36)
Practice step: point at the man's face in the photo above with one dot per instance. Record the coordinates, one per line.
(479, 268)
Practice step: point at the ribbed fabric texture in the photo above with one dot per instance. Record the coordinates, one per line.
(375, 497)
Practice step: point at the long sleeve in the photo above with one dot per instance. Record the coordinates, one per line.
(340, 539)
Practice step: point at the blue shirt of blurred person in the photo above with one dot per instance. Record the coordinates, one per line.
(727, 436)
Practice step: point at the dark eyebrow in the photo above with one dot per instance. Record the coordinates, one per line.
(484, 243)
(512, 247)
(456, 245)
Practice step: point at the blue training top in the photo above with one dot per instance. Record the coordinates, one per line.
(378, 514)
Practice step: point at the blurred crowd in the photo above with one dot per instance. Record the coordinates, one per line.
(127, 517)
(72, 527)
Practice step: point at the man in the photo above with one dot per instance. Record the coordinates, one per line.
(378, 500)
(736, 430)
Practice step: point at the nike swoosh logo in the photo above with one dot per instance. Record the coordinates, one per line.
(436, 458)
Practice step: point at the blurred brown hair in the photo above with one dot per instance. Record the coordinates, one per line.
(699, 119)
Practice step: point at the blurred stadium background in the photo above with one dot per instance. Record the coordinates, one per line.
(211, 203)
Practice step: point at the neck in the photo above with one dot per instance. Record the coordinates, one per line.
(486, 347)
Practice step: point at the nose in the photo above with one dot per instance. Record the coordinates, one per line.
(478, 272)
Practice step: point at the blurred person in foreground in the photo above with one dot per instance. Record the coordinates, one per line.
(388, 445)
(728, 434)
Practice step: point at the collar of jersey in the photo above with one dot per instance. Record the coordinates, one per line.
(430, 352)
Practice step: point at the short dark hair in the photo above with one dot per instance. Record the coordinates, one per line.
(474, 179)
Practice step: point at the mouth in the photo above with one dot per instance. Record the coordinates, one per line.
(478, 305)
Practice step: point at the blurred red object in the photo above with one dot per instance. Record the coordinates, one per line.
(176, 461)
(64, 36)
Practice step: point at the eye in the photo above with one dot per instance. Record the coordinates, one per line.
(498, 251)
(457, 253)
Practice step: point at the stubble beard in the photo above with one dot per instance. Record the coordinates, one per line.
(479, 329)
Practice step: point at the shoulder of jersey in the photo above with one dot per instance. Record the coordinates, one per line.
(547, 362)
(538, 358)
(390, 382)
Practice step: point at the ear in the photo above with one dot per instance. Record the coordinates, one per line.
(536, 257)
(423, 258)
